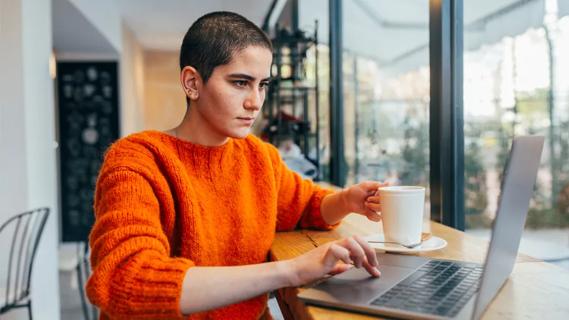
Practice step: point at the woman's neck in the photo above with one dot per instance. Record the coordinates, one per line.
(195, 129)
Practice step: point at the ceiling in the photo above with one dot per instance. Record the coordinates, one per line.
(82, 37)
(396, 33)
(161, 25)
(392, 32)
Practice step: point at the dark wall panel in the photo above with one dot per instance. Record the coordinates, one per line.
(88, 123)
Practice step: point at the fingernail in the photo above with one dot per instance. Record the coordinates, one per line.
(378, 273)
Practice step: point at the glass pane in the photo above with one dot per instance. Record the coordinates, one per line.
(515, 83)
(296, 110)
(322, 57)
(312, 13)
(386, 91)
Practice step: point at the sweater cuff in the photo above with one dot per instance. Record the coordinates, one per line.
(313, 218)
(151, 291)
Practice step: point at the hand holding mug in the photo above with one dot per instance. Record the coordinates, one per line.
(364, 199)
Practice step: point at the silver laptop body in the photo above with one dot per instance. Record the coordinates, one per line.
(406, 280)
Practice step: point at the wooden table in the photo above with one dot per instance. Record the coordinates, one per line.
(535, 290)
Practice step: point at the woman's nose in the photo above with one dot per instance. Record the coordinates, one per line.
(254, 100)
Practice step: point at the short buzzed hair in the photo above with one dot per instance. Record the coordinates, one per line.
(214, 38)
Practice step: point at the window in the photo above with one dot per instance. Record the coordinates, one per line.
(386, 91)
(515, 83)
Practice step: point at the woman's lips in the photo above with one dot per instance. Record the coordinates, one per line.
(246, 120)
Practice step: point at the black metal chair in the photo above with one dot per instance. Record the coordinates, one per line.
(26, 230)
(83, 270)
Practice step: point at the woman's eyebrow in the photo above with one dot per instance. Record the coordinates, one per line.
(246, 77)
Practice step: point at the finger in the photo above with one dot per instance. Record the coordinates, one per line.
(374, 271)
(375, 207)
(374, 199)
(370, 185)
(383, 184)
(339, 268)
(335, 253)
(373, 215)
(356, 251)
(369, 251)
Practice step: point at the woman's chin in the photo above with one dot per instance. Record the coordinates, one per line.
(240, 134)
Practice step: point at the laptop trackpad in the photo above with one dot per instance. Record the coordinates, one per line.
(356, 286)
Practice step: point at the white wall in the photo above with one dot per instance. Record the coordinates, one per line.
(12, 133)
(100, 34)
(74, 33)
(132, 83)
(28, 174)
(105, 16)
(164, 99)
(27, 154)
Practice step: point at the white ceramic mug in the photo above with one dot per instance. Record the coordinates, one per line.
(402, 213)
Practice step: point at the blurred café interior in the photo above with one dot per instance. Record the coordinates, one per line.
(414, 92)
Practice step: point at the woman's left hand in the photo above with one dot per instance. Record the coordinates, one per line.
(363, 198)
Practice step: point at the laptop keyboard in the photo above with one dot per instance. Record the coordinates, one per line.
(440, 288)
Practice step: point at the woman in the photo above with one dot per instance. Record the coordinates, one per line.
(185, 218)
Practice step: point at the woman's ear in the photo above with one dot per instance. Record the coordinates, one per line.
(191, 82)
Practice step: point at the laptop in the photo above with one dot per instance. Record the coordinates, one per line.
(422, 288)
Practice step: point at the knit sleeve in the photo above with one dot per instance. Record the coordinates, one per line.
(298, 199)
(134, 276)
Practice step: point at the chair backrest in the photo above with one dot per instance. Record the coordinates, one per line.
(26, 230)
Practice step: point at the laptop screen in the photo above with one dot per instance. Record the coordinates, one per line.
(517, 188)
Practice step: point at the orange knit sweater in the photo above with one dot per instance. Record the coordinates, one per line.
(163, 205)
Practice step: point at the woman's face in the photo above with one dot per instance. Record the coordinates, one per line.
(232, 98)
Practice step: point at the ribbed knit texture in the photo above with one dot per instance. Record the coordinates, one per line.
(163, 205)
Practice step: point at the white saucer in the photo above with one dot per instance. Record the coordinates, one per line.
(434, 243)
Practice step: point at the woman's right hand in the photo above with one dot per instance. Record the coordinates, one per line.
(333, 258)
